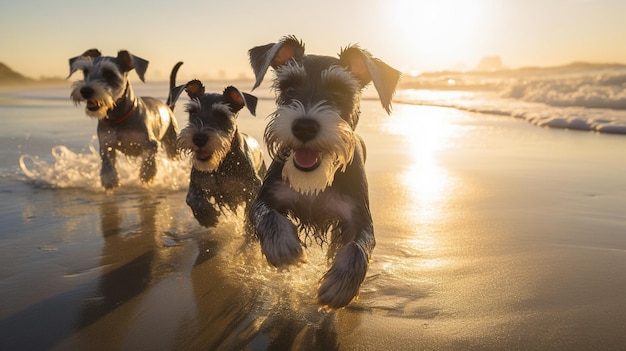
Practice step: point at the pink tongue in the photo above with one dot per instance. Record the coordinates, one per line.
(203, 156)
(306, 158)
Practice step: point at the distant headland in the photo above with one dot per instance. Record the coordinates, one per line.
(11, 77)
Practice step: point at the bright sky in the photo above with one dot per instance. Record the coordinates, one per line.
(213, 37)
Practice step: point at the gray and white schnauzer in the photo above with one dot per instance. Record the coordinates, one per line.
(317, 177)
(132, 125)
(227, 165)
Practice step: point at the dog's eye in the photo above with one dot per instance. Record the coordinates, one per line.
(337, 93)
(289, 87)
(287, 94)
(108, 75)
(85, 72)
(338, 90)
(290, 91)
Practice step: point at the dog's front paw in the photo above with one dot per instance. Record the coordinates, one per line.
(340, 285)
(203, 210)
(207, 217)
(109, 179)
(279, 241)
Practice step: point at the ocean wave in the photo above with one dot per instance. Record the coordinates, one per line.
(593, 86)
(597, 91)
(599, 120)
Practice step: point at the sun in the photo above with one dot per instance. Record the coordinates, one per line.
(442, 31)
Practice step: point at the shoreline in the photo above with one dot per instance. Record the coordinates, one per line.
(491, 234)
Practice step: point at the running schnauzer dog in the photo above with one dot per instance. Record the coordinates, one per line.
(132, 125)
(317, 177)
(227, 165)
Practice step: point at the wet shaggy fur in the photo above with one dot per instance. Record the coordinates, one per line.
(316, 185)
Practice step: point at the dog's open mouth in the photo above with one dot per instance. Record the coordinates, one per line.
(93, 105)
(202, 156)
(306, 159)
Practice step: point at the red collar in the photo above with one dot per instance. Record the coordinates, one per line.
(111, 122)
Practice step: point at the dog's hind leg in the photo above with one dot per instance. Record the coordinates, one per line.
(255, 154)
(169, 140)
(148, 164)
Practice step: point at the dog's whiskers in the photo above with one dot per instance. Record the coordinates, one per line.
(335, 137)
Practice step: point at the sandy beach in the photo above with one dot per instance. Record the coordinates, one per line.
(492, 234)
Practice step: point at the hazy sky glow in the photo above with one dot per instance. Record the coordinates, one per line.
(212, 37)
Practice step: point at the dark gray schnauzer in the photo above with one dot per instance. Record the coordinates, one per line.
(132, 125)
(317, 176)
(227, 165)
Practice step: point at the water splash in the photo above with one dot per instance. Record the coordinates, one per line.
(82, 170)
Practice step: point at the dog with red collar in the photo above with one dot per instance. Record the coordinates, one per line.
(133, 125)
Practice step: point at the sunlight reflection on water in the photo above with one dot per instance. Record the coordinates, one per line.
(429, 186)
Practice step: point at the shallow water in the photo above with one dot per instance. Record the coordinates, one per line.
(491, 234)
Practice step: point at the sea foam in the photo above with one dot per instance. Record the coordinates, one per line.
(82, 170)
(579, 97)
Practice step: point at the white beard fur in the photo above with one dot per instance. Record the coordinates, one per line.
(311, 182)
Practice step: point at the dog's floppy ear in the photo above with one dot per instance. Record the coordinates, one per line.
(89, 53)
(127, 62)
(194, 88)
(274, 55)
(237, 100)
(370, 69)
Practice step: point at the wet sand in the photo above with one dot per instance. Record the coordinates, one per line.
(491, 234)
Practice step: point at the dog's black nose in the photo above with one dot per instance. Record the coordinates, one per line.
(86, 92)
(200, 139)
(305, 129)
